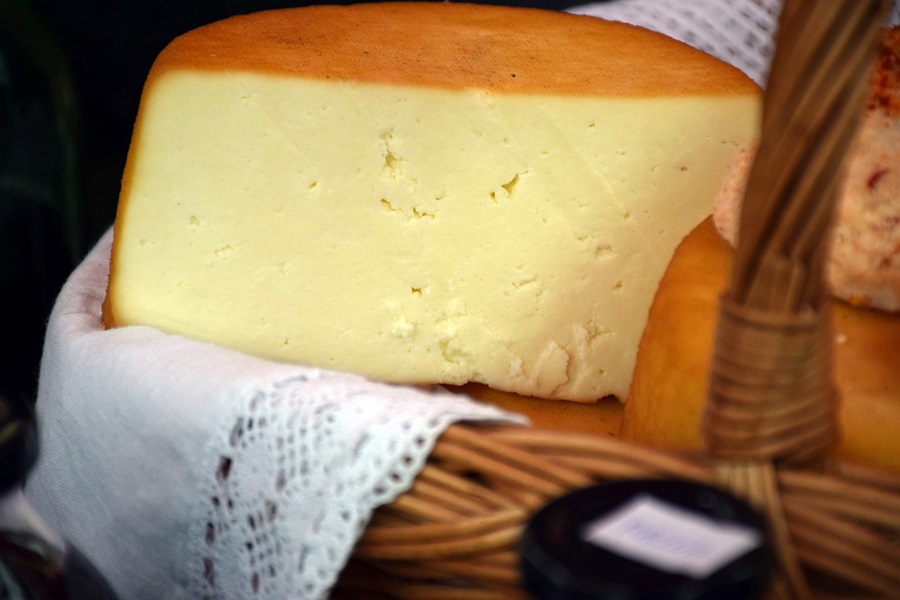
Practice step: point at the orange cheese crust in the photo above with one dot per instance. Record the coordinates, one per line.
(449, 45)
(668, 395)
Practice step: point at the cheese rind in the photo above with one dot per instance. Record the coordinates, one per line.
(453, 46)
(410, 233)
(666, 404)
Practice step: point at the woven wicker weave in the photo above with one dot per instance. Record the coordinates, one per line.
(454, 534)
(771, 413)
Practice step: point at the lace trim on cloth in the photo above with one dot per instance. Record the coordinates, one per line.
(279, 518)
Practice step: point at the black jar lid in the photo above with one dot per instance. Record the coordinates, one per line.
(570, 549)
(18, 440)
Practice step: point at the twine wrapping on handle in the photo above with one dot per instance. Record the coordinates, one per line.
(772, 385)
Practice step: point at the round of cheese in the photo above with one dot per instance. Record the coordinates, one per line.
(668, 394)
(422, 192)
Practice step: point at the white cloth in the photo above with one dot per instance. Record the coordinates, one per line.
(185, 470)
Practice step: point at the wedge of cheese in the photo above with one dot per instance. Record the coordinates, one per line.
(422, 192)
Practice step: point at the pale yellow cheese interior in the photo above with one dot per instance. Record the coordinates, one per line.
(415, 234)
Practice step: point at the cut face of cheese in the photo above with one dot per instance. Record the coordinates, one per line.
(419, 232)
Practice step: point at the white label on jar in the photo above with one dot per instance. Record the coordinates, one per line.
(670, 538)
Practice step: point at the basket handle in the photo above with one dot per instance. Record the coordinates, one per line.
(771, 394)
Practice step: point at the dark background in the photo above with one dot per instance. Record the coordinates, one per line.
(71, 73)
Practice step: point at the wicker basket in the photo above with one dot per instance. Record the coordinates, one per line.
(770, 422)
